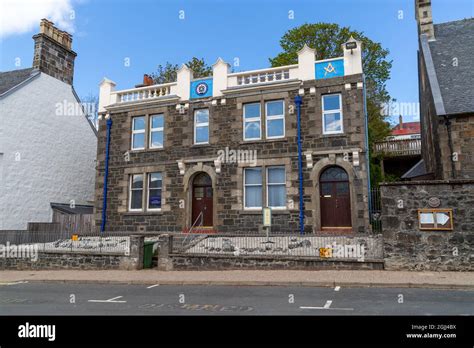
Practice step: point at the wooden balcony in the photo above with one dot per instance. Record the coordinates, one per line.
(398, 148)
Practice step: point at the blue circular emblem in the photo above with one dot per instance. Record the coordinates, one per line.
(201, 88)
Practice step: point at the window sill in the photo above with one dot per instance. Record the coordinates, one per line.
(200, 145)
(335, 135)
(259, 212)
(243, 142)
(142, 213)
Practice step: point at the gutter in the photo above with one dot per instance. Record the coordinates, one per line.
(298, 102)
(106, 176)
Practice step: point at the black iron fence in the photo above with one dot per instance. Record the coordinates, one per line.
(375, 210)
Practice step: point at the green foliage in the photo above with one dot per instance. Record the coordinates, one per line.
(327, 39)
(168, 72)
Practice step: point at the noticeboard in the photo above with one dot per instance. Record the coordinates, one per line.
(267, 217)
(435, 219)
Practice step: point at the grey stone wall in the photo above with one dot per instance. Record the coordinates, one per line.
(78, 261)
(407, 247)
(226, 131)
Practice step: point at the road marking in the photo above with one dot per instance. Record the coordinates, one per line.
(328, 304)
(111, 300)
(15, 283)
(337, 288)
(152, 286)
(334, 309)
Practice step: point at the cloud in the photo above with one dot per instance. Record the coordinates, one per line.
(21, 16)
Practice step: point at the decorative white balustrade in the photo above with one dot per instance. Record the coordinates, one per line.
(260, 76)
(145, 93)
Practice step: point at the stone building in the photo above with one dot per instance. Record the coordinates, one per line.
(446, 75)
(210, 153)
(47, 145)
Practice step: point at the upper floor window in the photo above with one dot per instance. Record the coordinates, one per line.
(332, 114)
(252, 122)
(136, 192)
(157, 123)
(138, 133)
(201, 126)
(275, 117)
(154, 191)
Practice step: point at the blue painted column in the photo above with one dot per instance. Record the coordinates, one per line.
(298, 102)
(106, 176)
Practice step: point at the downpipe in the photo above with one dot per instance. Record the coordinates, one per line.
(106, 176)
(298, 102)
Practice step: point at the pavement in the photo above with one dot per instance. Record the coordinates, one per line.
(356, 279)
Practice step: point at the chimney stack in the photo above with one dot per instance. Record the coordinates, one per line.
(424, 18)
(400, 119)
(53, 54)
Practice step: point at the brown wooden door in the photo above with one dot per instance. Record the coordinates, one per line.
(335, 198)
(202, 200)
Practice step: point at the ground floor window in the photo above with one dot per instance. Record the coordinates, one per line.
(275, 188)
(153, 189)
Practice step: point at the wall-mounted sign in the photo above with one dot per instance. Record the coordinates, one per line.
(75, 237)
(327, 70)
(267, 217)
(434, 202)
(201, 88)
(435, 219)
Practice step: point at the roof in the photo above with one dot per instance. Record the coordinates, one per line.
(451, 53)
(78, 208)
(417, 170)
(407, 128)
(11, 79)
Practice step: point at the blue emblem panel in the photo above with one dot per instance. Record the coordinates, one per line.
(201, 88)
(327, 70)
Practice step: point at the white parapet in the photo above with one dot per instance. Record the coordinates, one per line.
(306, 58)
(106, 87)
(220, 70)
(184, 77)
(352, 57)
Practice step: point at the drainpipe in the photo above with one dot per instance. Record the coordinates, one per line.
(447, 123)
(367, 153)
(106, 175)
(298, 102)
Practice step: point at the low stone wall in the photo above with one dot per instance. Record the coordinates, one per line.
(51, 260)
(406, 247)
(204, 262)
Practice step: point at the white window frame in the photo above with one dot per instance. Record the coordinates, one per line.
(156, 130)
(253, 119)
(275, 117)
(138, 131)
(245, 187)
(274, 184)
(332, 112)
(130, 189)
(148, 191)
(201, 125)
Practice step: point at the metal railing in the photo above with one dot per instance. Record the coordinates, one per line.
(344, 247)
(375, 210)
(64, 242)
(404, 147)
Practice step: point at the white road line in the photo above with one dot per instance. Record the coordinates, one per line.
(337, 288)
(332, 309)
(328, 304)
(111, 300)
(152, 286)
(15, 283)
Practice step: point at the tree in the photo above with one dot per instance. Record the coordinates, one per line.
(327, 40)
(167, 73)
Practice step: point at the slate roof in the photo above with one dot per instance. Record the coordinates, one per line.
(454, 43)
(417, 170)
(78, 208)
(10, 79)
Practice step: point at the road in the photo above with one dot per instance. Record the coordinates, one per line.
(19, 298)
